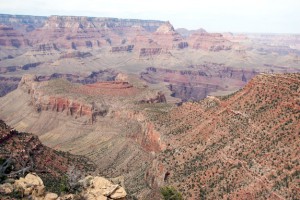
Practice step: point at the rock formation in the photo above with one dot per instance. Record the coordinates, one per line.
(93, 188)
(198, 83)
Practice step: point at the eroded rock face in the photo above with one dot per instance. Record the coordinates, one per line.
(196, 84)
(42, 101)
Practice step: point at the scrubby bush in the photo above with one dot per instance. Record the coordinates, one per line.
(170, 193)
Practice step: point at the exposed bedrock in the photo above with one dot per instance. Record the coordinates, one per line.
(40, 100)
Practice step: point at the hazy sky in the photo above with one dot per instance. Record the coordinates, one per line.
(277, 16)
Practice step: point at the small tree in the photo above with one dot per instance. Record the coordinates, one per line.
(170, 193)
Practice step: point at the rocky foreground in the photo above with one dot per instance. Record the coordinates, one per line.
(32, 187)
(23, 154)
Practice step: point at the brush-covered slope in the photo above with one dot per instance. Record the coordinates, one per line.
(243, 146)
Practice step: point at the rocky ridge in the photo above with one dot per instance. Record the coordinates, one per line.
(242, 146)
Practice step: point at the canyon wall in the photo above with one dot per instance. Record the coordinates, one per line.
(234, 146)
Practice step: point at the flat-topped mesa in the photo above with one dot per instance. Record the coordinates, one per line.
(44, 102)
(111, 85)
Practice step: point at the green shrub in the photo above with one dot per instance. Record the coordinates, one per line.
(170, 193)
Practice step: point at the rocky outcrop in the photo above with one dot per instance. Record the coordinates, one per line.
(93, 188)
(96, 76)
(166, 28)
(44, 102)
(167, 38)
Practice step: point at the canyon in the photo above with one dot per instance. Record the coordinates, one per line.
(82, 45)
(215, 115)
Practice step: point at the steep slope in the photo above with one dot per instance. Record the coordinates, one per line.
(243, 146)
(102, 121)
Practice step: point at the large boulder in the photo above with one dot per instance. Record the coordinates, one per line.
(31, 184)
(101, 188)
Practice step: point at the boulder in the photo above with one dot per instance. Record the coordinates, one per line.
(51, 196)
(33, 179)
(101, 188)
(31, 184)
